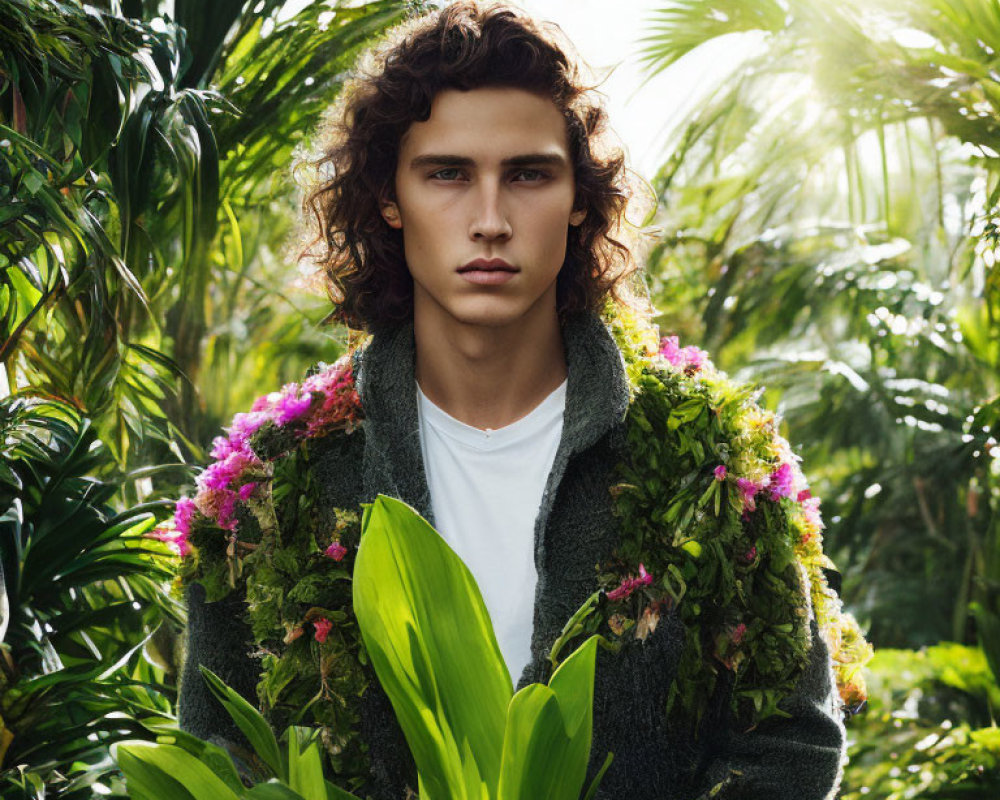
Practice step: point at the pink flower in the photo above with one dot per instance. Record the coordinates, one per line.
(671, 351)
(690, 359)
(246, 490)
(780, 483)
(748, 490)
(246, 425)
(184, 511)
(336, 551)
(220, 475)
(173, 538)
(221, 447)
(341, 406)
(292, 405)
(802, 496)
(227, 508)
(738, 633)
(694, 358)
(720, 472)
(323, 627)
(810, 508)
(750, 554)
(629, 585)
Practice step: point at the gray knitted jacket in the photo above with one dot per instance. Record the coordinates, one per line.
(655, 758)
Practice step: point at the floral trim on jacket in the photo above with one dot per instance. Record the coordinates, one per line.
(717, 521)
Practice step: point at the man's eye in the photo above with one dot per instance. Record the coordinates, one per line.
(529, 176)
(447, 174)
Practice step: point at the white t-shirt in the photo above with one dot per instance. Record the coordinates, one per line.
(486, 487)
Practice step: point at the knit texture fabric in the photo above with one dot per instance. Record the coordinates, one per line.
(655, 758)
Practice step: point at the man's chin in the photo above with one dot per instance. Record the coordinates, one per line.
(488, 313)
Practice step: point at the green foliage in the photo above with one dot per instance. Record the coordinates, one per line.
(430, 639)
(144, 234)
(94, 133)
(86, 599)
(141, 237)
(686, 527)
(929, 731)
(181, 767)
(831, 213)
(431, 642)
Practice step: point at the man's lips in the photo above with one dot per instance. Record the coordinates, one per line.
(488, 265)
(488, 271)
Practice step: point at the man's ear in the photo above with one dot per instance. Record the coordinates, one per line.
(390, 213)
(577, 216)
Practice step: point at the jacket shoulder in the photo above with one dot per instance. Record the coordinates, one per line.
(237, 498)
(709, 476)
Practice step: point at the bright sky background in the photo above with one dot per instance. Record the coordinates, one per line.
(607, 33)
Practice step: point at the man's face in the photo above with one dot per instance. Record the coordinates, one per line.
(484, 197)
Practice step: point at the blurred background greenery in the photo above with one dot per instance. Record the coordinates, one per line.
(827, 227)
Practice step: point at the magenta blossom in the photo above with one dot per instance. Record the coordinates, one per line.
(221, 448)
(750, 554)
(220, 475)
(336, 551)
(629, 585)
(175, 539)
(738, 633)
(323, 627)
(748, 490)
(694, 358)
(780, 483)
(184, 511)
(670, 350)
(292, 405)
(246, 425)
(226, 518)
(690, 359)
(246, 490)
(720, 472)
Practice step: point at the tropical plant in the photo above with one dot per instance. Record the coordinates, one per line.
(429, 637)
(830, 213)
(146, 215)
(140, 220)
(76, 89)
(153, 770)
(431, 642)
(930, 735)
(85, 593)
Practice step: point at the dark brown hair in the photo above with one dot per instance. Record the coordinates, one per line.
(463, 46)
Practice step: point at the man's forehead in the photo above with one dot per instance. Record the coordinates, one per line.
(488, 124)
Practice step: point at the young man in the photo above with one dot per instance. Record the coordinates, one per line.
(469, 224)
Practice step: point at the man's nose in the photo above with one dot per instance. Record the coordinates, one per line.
(490, 220)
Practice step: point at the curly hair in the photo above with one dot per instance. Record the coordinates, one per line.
(467, 45)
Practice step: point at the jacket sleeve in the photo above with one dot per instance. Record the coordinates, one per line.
(219, 638)
(789, 758)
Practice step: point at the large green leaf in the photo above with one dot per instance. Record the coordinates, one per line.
(250, 721)
(305, 766)
(167, 772)
(548, 735)
(431, 642)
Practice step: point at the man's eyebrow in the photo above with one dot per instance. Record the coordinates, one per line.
(528, 159)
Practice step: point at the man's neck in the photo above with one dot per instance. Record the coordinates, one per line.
(489, 377)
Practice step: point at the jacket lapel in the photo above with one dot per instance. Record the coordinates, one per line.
(393, 460)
